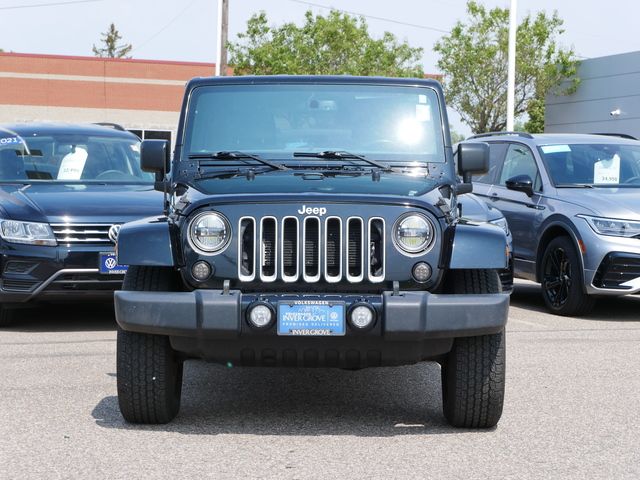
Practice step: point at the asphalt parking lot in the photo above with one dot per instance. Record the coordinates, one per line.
(572, 409)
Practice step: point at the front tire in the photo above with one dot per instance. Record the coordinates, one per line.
(149, 371)
(562, 280)
(473, 372)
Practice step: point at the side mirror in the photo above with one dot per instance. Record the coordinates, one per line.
(521, 183)
(472, 158)
(155, 158)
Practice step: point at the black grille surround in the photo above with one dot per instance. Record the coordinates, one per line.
(277, 247)
(616, 269)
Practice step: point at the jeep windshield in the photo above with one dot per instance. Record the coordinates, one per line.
(70, 158)
(392, 124)
(593, 165)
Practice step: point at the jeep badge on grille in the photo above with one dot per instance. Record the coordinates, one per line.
(312, 210)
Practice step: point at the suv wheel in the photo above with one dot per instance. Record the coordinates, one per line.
(149, 371)
(473, 372)
(562, 280)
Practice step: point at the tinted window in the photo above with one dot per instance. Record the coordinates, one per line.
(382, 122)
(496, 154)
(520, 161)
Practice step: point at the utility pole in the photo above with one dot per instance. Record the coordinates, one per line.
(511, 70)
(223, 29)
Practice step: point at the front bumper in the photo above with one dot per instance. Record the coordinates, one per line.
(609, 262)
(411, 326)
(35, 273)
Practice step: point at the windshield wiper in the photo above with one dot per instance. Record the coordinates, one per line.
(236, 155)
(341, 154)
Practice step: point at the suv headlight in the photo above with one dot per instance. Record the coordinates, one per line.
(31, 233)
(613, 226)
(413, 233)
(209, 232)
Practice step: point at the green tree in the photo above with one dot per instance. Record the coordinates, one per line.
(335, 44)
(111, 49)
(473, 58)
(455, 136)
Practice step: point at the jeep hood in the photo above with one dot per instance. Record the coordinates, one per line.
(78, 203)
(392, 184)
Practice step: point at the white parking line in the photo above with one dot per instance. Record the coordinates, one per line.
(525, 322)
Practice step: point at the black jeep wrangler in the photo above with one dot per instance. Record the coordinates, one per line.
(312, 222)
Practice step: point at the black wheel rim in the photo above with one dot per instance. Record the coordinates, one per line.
(557, 277)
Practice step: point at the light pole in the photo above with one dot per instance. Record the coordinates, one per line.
(223, 27)
(511, 68)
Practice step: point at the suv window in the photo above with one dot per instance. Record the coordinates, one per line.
(496, 154)
(520, 161)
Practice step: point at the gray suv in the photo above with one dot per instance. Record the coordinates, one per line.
(573, 206)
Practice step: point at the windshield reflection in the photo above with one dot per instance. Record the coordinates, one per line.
(602, 165)
(68, 157)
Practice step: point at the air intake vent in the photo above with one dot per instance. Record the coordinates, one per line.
(268, 248)
(19, 267)
(290, 249)
(333, 249)
(247, 250)
(354, 249)
(311, 249)
(18, 285)
(376, 250)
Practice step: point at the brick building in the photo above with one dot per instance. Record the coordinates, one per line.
(141, 95)
(144, 96)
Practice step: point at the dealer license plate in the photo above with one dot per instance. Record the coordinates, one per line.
(311, 318)
(109, 264)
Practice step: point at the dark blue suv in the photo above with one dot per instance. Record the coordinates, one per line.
(64, 192)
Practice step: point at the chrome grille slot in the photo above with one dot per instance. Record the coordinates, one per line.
(376, 249)
(81, 233)
(333, 249)
(247, 249)
(354, 249)
(311, 249)
(290, 236)
(268, 249)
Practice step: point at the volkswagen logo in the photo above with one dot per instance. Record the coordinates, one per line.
(113, 233)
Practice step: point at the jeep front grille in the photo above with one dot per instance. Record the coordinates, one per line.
(81, 232)
(312, 249)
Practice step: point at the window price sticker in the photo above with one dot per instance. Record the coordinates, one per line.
(607, 171)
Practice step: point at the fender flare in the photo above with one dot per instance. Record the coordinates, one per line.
(559, 221)
(146, 242)
(478, 246)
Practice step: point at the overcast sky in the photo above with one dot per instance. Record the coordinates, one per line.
(186, 29)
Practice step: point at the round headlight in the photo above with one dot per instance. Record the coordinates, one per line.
(209, 232)
(413, 233)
